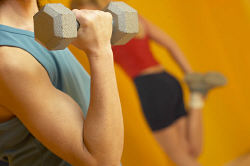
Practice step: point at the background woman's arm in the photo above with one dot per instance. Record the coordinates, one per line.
(160, 37)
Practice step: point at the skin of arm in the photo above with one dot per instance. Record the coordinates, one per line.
(52, 116)
(160, 37)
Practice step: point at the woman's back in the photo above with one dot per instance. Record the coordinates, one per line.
(135, 56)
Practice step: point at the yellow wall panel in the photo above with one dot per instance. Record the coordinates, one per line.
(64, 2)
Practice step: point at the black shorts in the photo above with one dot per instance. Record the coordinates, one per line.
(161, 98)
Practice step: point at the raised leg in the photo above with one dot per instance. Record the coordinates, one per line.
(175, 145)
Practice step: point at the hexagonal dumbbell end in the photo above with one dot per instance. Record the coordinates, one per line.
(55, 26)
(125, 22)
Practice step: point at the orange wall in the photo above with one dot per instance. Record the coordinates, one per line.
(214, 35)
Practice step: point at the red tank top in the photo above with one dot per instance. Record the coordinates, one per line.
(135, 56)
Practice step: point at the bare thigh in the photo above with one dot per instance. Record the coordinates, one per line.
(173, 138)
(182, 128)
(181, 125)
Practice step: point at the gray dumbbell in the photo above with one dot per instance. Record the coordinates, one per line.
(55, 26)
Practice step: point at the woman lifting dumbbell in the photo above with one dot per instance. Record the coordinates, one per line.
(178, 131)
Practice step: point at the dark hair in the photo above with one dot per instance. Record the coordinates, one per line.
(39, 4)
(77, 3)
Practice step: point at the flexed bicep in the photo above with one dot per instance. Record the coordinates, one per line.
(52, 116)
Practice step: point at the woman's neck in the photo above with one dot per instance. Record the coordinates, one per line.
(18, 13)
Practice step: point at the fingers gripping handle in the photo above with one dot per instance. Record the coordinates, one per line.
(78, 24)
(125, 22)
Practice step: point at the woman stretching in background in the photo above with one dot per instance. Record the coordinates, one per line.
(179, 132)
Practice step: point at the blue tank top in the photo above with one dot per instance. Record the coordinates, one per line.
(17, 145)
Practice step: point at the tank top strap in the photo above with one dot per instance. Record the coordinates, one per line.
(23, 39)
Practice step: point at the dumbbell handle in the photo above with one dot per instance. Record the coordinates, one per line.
(78, 25)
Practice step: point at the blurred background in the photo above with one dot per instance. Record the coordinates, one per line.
(214, 35)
